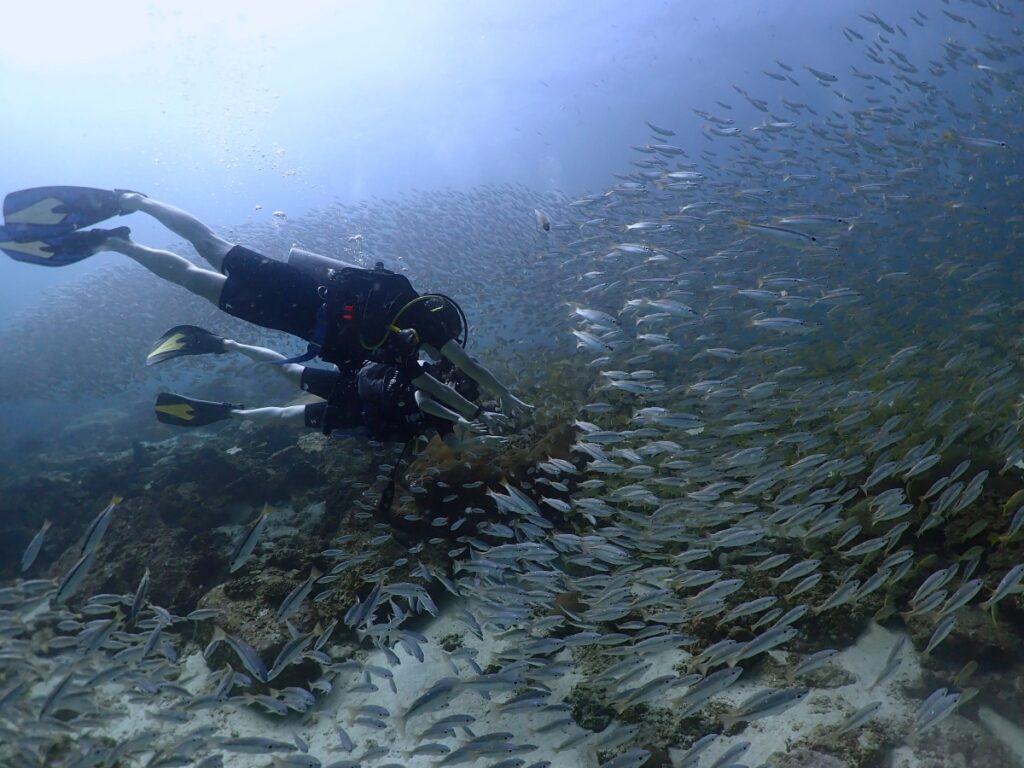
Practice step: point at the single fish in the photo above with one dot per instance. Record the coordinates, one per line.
(139, 598)
(255, 745)
(858, 718)
(976, 142)
(767, 640)
(813, 662)
(291, 651)
(659, 131)
(245, 546)
(245, 652)
(99, 526)
(942, 630)
(823, 77)
(34, 546)
(440, 694)
(295, 598)
(790, 325)
(1009, 583)
(702, 692)
(782, 234)
(73, 579)
(765, 704)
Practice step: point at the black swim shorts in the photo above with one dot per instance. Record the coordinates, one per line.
(341, 412)
(270, 293)
(319, 381)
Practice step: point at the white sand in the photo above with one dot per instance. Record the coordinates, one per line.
(319, 728)
(827, 708)
(818, 715)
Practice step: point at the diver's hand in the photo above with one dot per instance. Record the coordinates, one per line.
(474, 427)
(513, 406)
(496, 422)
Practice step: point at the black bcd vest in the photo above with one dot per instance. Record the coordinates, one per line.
(361, 304)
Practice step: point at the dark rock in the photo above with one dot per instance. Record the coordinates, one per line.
(974, 636)
(246, 614)
(590, 709)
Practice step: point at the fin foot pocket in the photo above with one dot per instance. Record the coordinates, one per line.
(182, 340)
(181, 411)
(64, 208)
(54, 248)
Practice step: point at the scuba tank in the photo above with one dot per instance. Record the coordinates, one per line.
(321, 267)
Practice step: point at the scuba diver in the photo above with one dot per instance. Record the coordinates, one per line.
(347, 314)
(377, 401)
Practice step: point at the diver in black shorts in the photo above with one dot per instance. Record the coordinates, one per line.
(377, 400)
(350, 317)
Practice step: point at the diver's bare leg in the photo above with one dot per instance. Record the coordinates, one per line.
(291, 371)
(291, 414)
(209, 245)
(172, 267)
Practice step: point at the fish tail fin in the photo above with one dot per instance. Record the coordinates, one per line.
(218, 638)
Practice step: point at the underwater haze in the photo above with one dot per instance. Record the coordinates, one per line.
(734, 471)
(224, 107)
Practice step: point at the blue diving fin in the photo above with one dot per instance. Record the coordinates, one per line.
(61, 208)
(50, 247)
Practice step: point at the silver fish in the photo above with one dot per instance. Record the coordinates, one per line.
(245, 546)
(295, 598)
(34, 546)
(73, 579)
(99, 526)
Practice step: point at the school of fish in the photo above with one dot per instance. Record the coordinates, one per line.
(804, 347)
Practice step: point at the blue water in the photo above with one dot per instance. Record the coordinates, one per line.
(223, 109)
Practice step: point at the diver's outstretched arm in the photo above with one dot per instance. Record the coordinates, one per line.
(291, 371)
(450, 397)
(290, 414)
(445, 394)
(209, 245)
(172, 267)
(430, 406)
(481, 375)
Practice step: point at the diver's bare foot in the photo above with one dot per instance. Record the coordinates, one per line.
(130, 202)
(116, 240)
